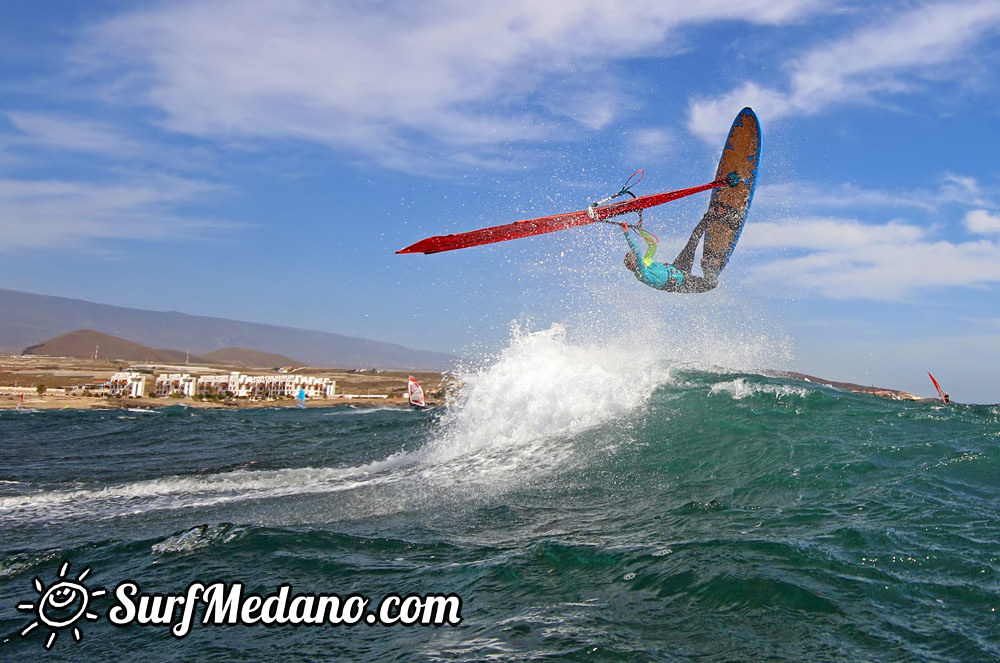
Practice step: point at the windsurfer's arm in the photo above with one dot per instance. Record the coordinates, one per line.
(636, 252)
(631, 243)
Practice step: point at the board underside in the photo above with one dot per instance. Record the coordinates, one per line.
(741, 154)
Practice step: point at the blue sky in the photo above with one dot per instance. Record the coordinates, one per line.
(263, 161)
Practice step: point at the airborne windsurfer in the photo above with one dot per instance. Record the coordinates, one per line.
(732, 192)
(721, 225)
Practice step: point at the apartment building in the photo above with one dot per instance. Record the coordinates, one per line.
(168, 384)
(127, 384)
(239, 385)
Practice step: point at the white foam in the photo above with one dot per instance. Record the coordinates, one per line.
(197, 538)
(543, 387)
(176, 492)
(341, 410)
(740, 388)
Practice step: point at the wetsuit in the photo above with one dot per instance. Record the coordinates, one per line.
(675, 277)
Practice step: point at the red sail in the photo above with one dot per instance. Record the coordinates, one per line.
(938, 387)
(547, 224)
(416, 393)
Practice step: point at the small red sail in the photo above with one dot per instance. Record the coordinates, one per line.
(944, 396)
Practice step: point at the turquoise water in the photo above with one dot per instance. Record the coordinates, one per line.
(670, 514)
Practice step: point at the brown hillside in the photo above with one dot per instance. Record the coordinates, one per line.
(83, 343)
(249, 358)
(846, 386)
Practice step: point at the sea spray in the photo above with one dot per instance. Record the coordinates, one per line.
(742, 388)
(543, 387)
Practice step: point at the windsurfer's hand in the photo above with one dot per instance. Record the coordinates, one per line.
(625, 227)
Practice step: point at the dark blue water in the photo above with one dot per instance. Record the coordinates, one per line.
(680, 515)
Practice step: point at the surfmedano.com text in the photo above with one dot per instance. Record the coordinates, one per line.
(224, 604)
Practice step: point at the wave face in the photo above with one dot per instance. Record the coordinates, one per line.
(586, 500)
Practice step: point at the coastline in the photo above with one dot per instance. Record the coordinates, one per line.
(70, 402)
(362, 388)
(63, 378)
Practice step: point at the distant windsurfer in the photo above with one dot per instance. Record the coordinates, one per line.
(416, 393)
(677, 276)
(301, 398)
(945, 398)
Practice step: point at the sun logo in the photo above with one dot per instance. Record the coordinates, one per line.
(61, 605)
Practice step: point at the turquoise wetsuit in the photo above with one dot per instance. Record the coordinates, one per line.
(652, 273)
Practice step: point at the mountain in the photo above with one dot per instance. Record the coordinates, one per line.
(27, 319)
(86, 343)
(249, 358)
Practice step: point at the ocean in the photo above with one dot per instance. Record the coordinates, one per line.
(584, 505)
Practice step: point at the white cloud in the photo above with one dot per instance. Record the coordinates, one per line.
(372, 76)
(650, 145)
(55, 214)
(67, 133)
(963, 183)
(809, 197)
(845, 259)
(885, 59)
(981, 222)
(827, 234)
(710, 118)
(594, 106)
(838, 196)
(961, 189)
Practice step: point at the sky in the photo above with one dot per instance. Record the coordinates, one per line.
(263, 161)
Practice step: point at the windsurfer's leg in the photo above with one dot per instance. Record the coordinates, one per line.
(685, 259)
(651, 243)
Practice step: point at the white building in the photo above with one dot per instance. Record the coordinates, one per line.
(314, 387)
(128, 384)
(175, 383)
(263, 387)
(223, 384)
